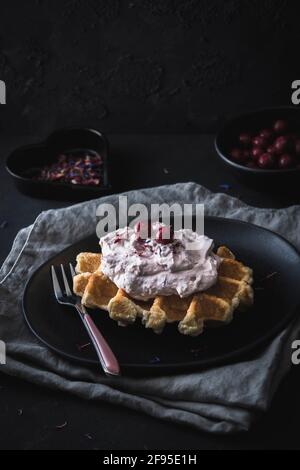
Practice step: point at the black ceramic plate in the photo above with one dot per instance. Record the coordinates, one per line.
(276, 266)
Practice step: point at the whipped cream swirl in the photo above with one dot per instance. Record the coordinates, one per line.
(145, 268)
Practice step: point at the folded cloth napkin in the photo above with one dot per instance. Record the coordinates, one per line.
(220, 400)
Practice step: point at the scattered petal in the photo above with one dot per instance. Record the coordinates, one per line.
(196, 351)
(269, 276)
(3, 224)
(154, 360)
(83, 346)
(61, 426)
(225, 186)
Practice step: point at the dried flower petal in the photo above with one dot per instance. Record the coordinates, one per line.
(78, 168)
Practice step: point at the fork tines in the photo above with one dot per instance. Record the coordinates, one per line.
(59, 294)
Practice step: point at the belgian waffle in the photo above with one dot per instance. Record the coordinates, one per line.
(215, 306)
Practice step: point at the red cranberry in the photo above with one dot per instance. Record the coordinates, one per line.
(266, 134)
(165, 235)
(246, 155)
(271, 149)
(292, 137)
(281, 144)
(259, 141)
(237, 155)
(143, 230)
(285, 161)
(280, 126)
(297, 148)
(275, 151)
(266, 161)
(256, 152)
(245, 139)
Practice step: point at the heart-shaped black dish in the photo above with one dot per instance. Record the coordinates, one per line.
(24, 163)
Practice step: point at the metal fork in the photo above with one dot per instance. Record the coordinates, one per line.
(106, 357)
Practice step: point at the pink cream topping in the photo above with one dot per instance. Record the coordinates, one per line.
(162, 265)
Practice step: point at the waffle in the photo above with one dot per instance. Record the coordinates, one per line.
(212, 307)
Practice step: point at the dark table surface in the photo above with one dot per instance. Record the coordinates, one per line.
(32, 416)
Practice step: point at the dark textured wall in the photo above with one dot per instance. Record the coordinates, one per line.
(143, 65)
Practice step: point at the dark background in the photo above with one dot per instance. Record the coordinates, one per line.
(143, 65)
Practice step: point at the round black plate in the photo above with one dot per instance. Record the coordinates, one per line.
(276, 265)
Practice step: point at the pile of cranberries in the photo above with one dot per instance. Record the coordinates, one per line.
(275, 147)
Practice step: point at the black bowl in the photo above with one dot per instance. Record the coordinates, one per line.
(227, 139)
(24, 163)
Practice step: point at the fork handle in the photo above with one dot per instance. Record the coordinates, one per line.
(107, 358)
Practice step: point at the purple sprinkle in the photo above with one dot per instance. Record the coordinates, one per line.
(225, 186)
(155, 360)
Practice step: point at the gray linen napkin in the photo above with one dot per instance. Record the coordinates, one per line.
(221, 400)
